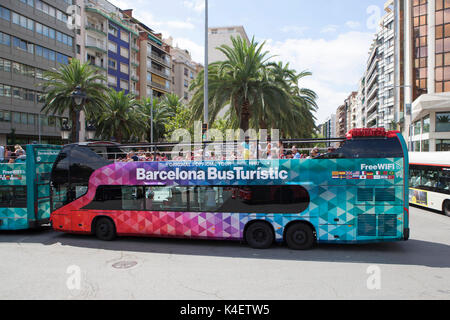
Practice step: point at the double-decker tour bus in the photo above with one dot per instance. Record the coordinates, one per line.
(25, 189)
(429, 180)
(356, 193)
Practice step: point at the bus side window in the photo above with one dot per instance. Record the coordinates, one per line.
(444, 181)
(5, 197)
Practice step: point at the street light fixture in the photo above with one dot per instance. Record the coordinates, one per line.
(65, 130)
(90, 131)
(78, 97)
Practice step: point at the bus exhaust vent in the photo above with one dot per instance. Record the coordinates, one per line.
(387, 225)
(366, 225)
(365, 194)
(382, 195)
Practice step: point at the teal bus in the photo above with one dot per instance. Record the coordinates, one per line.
(25, 189)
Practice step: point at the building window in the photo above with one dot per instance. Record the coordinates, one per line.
(112, 64)
(124, 52)
(124, 36)
(112, 30)
(124, 85)
(112, 47)
(425, 146)
(420, 34)
(417, 127)
(443, 122)
(124, 68)
(442, 57)
(442, 145)
(5, 39)
(5, 14)
(112, 80)
(426, 125)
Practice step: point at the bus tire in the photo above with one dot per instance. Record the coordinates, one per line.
(446, 208)
(105, 229)
(299, 236)
(259, 235)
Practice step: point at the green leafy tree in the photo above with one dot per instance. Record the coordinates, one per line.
(181, 120)
(121, 118)
(61, 83)
(162, 113)
(262, 94)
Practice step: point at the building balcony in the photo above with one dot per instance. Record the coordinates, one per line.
(99, 66)
(160, 86)
(160, 59)
(134, 47)
(160, 73)
(95, 29)
(96, 45)
(134, 77)
(372, 104)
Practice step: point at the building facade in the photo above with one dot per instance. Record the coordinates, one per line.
(426, 73)
(34, 37)
(222, 36)
(184, 71)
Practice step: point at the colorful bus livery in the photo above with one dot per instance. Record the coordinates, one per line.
(297, 200)
(25, 189)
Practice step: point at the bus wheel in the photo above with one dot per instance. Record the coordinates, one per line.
(446, 208)
(299, 236)
(259, 235)
(105, 229)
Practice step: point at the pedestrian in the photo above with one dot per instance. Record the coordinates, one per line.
(21, 156)
(314, 153)
(295, 153)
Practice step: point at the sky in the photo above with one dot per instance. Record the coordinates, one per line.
(330, 38)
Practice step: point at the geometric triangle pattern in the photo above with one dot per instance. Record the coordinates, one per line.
(333, 185)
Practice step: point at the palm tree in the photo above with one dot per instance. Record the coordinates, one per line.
(121, 117)
(163, 111)
(241, 81)
(261, 94)
(61, 83)
(172, 101)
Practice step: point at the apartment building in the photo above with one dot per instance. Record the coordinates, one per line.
(219, 36)
(424, 31)
(184, 71)
(352, 105)
(34, 37)
(329, 128)
(154, 61)
(109, 42)
(386, 69)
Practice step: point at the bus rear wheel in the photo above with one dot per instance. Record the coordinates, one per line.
(446, 208)
(259, 235)
(105, 229)
(300, 236)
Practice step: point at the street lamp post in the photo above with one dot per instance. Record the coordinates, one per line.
(79, 98)
(206, 88)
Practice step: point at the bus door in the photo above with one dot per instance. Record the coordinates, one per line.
(41, 159)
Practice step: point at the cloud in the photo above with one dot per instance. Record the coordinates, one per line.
(294, 29)
(197, 51)
(331, 28)
(337, 65)
(353, 24)
(196, 5)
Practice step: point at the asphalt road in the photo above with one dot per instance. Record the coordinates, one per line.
(49, 265)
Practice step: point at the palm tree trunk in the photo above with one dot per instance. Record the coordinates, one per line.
(245, 116)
